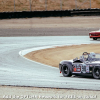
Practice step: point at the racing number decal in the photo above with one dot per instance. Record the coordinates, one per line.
(76, 68)
(87, 68)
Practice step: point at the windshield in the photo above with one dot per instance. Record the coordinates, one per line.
(94, 57)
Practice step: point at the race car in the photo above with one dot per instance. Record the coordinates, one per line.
(95, 34)
(87, 64)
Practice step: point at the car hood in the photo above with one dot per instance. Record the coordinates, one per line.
(95, 62)
(95, 31)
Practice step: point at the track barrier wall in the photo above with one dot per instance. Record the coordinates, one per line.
(28, 14)
(55, 13)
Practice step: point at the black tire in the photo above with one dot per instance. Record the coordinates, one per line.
(94, 38)
(96, 72)
(66, 71)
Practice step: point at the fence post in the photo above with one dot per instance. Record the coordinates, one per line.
(14, 6)
(60, 4)
(90, 4)
(30, 6)
(45, 5)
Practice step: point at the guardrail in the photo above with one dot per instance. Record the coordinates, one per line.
(61, 13)
(86, 12)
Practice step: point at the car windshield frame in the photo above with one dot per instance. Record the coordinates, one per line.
(94, 58)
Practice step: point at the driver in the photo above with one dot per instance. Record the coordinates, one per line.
(85, 57)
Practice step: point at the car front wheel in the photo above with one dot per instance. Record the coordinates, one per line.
(66, 71)
(96, 72)
(94, 38)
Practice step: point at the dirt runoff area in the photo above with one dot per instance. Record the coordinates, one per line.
(53, 56)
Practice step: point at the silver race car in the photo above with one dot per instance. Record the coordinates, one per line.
(87, 64)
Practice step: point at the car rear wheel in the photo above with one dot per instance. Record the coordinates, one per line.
(66, 71)
(94, 38)
(96, 72)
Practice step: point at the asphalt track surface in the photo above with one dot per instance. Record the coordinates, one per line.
(59, 31)
(17, 71)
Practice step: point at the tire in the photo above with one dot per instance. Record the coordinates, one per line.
(94, 38)
(96, 72)
(66, 71)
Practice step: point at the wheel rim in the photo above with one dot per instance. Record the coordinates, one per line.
(97, 72)
(65, 69)
(95, 38)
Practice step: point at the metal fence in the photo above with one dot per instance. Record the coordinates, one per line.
(38, 5)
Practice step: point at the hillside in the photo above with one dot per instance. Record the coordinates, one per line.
(24, 5)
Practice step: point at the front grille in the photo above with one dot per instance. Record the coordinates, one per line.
(95, 34)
